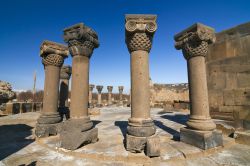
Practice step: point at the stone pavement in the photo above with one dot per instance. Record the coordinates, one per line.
(18, 146)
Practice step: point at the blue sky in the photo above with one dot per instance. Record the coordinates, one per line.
(25, 24)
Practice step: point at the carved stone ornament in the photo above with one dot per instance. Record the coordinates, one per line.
(81, 39)
(65, 72)
(194, 40)
(53, 53)
(140, 30)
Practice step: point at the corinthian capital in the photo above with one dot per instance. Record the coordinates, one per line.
(81, 39)
(91, 87)
(53, 53)
(65, 72)
(110, 88)
(120, 88)
(99, 88)
(140, 30)
(194, 40)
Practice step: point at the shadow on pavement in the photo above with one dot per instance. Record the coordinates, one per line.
(123, 127)
(174, 133)
(13, 138)
(178, 118)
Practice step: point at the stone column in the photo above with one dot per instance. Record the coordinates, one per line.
(99, 99)
(200, 129)
(141, 129)
(120, 88)
(64, 91)
(53, 55)
(78, 130)
(91, 87)
(110, 88)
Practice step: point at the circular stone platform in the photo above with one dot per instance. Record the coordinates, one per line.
(19, 147)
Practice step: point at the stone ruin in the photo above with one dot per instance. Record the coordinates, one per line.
(6, 94)
(78, 129)
(170, 96)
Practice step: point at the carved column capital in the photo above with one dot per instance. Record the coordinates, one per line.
(99, 88)
(65, 72)
(194, 40)
(140, 30)
(110, 88)
(53, 53)
(81, 39)
(91, 87)
(120, 88)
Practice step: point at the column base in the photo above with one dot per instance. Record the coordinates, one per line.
(50, 118)
(141, 127)
(76, 133)
(201, 139)
(144, 131)
(46, 130)
(48, 124)
(201, 124)
(150, 145)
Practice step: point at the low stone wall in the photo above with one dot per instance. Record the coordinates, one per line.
(169, 96)
(21, 107)
(228, 74)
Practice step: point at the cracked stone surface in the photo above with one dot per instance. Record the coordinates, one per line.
(18, 145)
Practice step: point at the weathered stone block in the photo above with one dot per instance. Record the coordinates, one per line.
(135, 144)
(73, 139)
(144, 131)
(201, 139)
(243, 79)
(215, 98)
(45, 130)
(241, 96)
(228, 96)
(231, 80)
(153, 146)
(26, 107)
(246, 124)
(242, 137)
(12, 108)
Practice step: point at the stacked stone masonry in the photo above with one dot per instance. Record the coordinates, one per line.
(228, 75)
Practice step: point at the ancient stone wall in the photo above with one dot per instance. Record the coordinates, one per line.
(228, 74)
(169, 95)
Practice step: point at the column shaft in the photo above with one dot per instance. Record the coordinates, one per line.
(51, 89)
(99, 100)
(64, 88)
(140, 107)
(109, 98)
(198, 88)
(80, 87)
